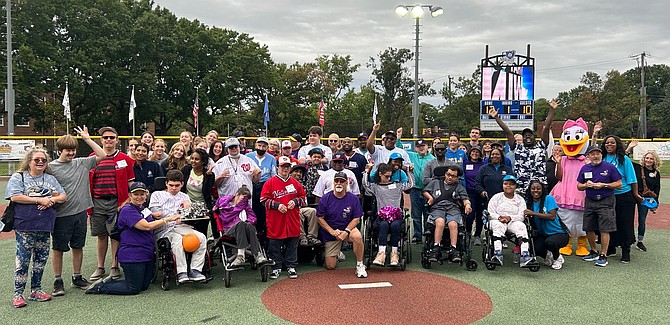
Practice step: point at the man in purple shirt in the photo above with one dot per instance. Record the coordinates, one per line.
(598, 179)
(338, 213)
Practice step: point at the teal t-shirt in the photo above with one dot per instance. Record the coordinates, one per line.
(626, 170)
(547, 227)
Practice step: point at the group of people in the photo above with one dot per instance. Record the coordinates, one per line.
(284, 194)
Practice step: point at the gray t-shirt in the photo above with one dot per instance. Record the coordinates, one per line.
(73, 176)
(445, 207)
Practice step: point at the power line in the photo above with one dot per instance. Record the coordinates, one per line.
(582, 65)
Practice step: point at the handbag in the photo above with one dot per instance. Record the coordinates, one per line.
(8, 215)
(646, 192)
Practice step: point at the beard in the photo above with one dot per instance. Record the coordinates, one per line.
(339, 188)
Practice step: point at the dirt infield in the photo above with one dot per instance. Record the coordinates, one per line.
(414, 298)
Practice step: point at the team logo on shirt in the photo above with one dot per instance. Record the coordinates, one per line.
(345, 212)
(603, 173)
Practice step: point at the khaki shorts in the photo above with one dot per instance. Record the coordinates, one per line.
(333, 248)
(102, 210)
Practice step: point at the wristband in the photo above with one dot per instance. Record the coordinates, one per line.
(347, 230)
(164, 222)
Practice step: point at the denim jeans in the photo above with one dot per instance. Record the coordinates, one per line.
(384, 226)
(290, 257)
(642, 212)
(476, 203)
(138, 278)
(419, 212)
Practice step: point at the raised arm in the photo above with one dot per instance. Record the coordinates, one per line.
(510, 136)
(371, 138)
(547, 123)
(596, 130)
(83, 132)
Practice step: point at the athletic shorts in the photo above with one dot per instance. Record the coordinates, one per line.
(70, 232)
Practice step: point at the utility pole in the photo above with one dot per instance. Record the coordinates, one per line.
(643, 100)
(9, 91)
(449, 85)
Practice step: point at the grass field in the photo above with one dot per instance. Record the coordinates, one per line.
(635, 293)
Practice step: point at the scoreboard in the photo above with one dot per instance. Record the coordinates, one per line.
(517, 114)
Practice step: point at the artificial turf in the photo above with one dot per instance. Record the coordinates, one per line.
(635, 293)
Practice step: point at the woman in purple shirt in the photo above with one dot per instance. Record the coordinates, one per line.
(471, 168)
(137, 246)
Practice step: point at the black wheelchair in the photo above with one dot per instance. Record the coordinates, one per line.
(488, 249)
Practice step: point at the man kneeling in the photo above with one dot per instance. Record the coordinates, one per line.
(166, 203)
(339, 213)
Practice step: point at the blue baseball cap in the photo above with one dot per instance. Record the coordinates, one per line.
(394, 156)
(509, 178)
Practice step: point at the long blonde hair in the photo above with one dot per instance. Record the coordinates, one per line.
(657, 160)
(176, 163)
(25, 164)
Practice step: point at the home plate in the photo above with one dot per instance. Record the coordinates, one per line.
(365, 285)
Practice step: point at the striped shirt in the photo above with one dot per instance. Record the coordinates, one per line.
(168, 204)
(104, 178)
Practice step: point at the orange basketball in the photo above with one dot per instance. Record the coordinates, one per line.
(190, 242)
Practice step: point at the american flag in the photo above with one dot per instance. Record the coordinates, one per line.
(195, 115)
(322, 106)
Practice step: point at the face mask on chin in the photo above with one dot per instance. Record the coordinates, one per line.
(234, 156)
(260, 152)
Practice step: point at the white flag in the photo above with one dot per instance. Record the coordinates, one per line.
(374, 112)
(131, 113)
(66, 104)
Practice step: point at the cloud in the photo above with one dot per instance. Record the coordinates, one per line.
(567, 37)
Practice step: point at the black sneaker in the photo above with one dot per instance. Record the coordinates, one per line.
(454, 255)
(625, 256)
(611, 252)
(641, 246)
(436, 254)
(59, 288)
(78, 281)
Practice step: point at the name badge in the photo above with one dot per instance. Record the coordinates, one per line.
(392, 186)
(121, 164)
(353, 164)
(146, 213)
(469, 167)
(239, 179)
(588, 175)
(652, 174)
(290, 188)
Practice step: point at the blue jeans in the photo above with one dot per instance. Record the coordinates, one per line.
(289, 259)
(476, 215)
(418, 211)
(384, 226)
(138, 278)
(642, 212)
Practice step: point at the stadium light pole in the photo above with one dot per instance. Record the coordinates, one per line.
(417, 12)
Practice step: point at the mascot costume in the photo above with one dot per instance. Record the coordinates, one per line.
(574, 141)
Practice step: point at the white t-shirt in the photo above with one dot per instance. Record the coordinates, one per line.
(381, 155)
(326, 181)
(240, 172)
(304, 151)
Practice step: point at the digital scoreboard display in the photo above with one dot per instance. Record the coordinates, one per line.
(510, 90)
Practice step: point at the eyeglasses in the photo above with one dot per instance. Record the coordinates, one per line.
(108, 137)
(39, 160)
(339, 181)
(451, 176)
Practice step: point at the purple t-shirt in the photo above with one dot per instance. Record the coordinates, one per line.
(338, 213)
(601, 173)
(137, 246)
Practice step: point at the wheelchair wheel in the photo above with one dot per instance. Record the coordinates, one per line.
(534, 268)
(165, 284)
(425, 263)
(490, 266)
(226, 278)
(320, 258)
(471, 265)
(265, 273)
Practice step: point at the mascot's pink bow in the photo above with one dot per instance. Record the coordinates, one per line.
(580, 122)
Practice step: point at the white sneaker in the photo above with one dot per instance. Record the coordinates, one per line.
(549, 259)
(341, 257)
(380, 259)
(360, 271)
(558, 263)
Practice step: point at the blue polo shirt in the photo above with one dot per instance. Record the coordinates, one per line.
(457, 156)
(268, 165)
(601, 173)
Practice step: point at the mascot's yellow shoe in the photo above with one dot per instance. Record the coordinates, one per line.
(567, 250)
(581, 246)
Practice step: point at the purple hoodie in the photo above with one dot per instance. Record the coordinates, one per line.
(229, 214)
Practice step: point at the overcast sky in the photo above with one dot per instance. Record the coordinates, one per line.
(567, 37)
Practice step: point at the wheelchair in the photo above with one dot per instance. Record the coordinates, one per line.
(371, 245)
(488, 249)
(463, 242)
(311, 252)
(224, 249)
(165, 261)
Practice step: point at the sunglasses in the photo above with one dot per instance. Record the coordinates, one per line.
(332, 141)
(108, 137)
(40, 160)
(440, 149)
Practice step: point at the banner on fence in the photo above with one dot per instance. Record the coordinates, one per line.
(14, 149)
(661, 148)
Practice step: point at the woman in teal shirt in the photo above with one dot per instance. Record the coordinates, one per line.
(551, 234)
(627, 197)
